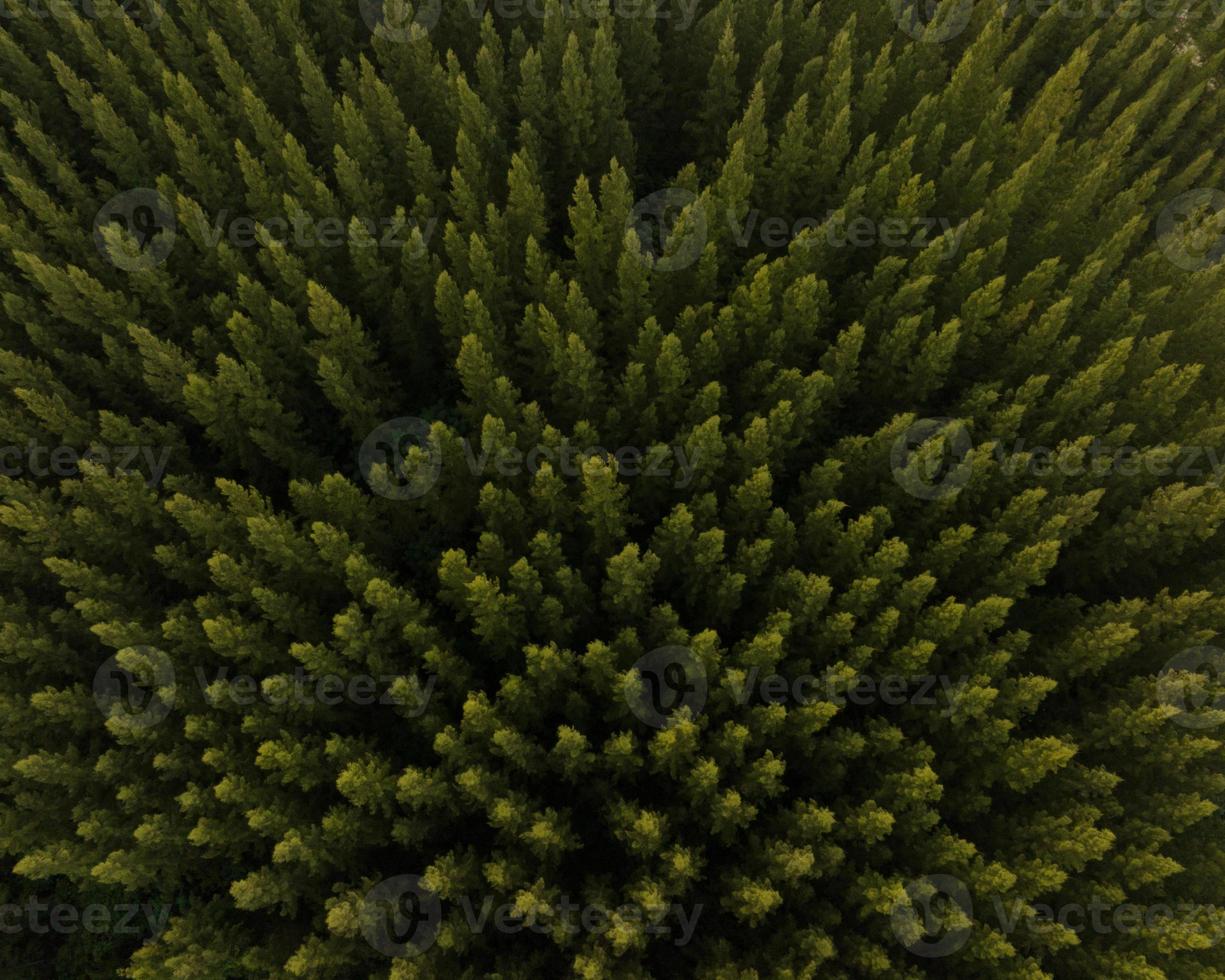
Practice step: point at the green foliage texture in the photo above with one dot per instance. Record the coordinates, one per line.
(516, 307)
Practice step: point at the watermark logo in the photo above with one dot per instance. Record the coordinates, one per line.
(385, 464)
(946, 921)
(135, 230)
(399, 20)
(1191, 229)
(400, 916)
(136, 685)
(932, 21)
(929, 460)
(665, 682)
(671, 227)
(1194, 683)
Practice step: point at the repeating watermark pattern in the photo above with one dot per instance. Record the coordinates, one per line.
(938, 21)
(895, 690)
(135, 230)
(139, 685)
(302, 688)
(391, 460)
(147, 13)
(1191, 229)
(936, 917)
(932, 21)
(930, 460)
(1095, 9)
(672, 679)
(400, 21)
(591, 10)
(399, 462)
(671, 227)
(303, 230)
(840, 231)
(37, 459)
(1194, 683)
(665, 682)
(400, 917)
(64, 918)
(1185, 462)
(947, 916)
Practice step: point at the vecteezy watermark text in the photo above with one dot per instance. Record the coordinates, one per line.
(839, 231)
(936, 916)
(671, 228)
(302, 688)
(932, 459)
(37, 459)
(137, 230)
(138, 686)
(671, 682)
(938, 21)
(398, 231)
(400, 917)
(401, 21)
(861, 689)
(399, 461)
(593, 10)
(64, 918)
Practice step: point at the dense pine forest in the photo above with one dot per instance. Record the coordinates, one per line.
(612, 489)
